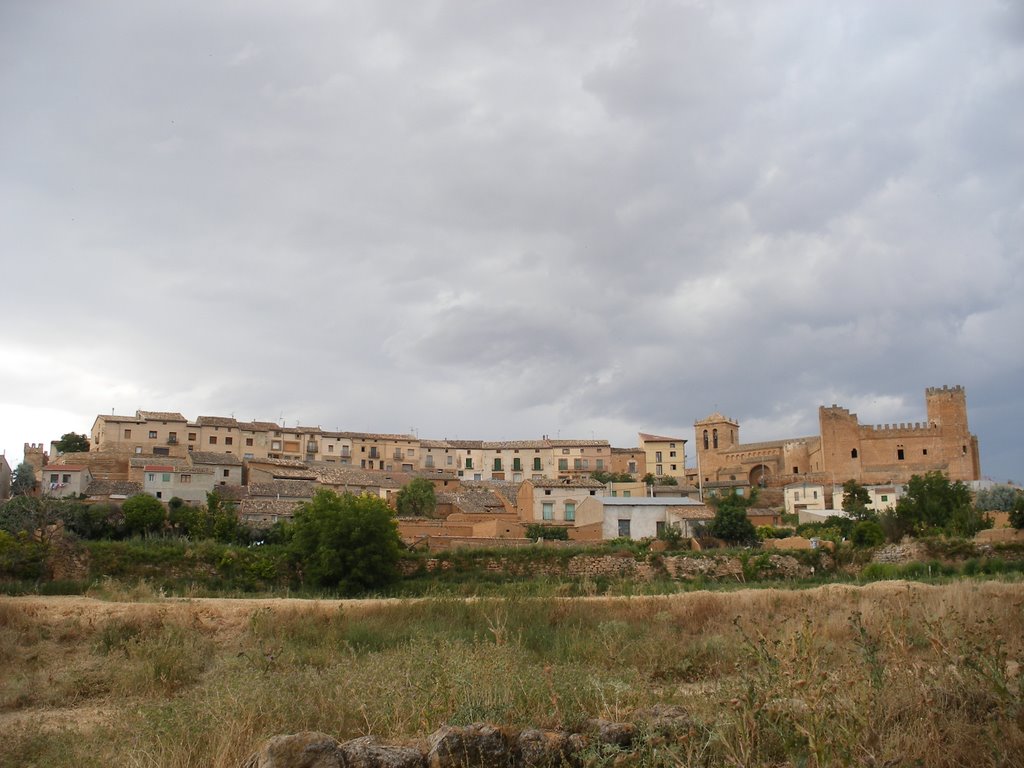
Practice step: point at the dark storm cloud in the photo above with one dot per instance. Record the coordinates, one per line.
(492, 222)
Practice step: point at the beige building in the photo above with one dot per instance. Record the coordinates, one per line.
(64, 481)
(169, 478)
(665, 456)
(631, 461)
(799, 497)
(844, 449)
(152, 433)
(642, 518)
(555, 501)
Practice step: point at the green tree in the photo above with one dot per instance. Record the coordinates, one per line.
(33, 515)
(548, 532)
(70, 442)
(650, 479)
(604, 476)
(23, 481)
(417, 499)
(855, 501)
(142, 514)
(731, 523)
(867, 533)
(1017, 513)
(346, 542)
(933, 504)
(998, 498)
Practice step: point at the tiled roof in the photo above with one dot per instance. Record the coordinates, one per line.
(578, 443)
(63, 468)
(258, 426)
(290, 489)
(253, 507)
(216, 421)
(119, 419)
(113, 488)
(376, 436)
(435, 444)
(209, 457)
(176, 463)
(660, 438)
(467, 444)
(638, 449)
(160, 416)
(576, 482)
(508, 489)
(473, 500)
(232, 492)
(292, 463)
(501, 445)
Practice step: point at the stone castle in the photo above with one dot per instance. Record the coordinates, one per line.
(844, 449)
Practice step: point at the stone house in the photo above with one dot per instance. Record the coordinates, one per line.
(555, 501)
(642, 518)
(61, 481)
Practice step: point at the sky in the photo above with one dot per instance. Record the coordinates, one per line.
(502, 220)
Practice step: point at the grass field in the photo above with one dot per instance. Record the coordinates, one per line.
(891, 673)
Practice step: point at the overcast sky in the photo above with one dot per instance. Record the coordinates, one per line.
(508, 219)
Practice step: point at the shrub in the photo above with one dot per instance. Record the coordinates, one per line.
(143, 514)
(867, 533)
(547, 532)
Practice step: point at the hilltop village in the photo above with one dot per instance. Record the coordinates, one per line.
(487, 492)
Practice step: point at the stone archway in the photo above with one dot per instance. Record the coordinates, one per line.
(760, 476)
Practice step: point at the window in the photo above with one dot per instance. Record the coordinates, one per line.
(227, 473)
(884, 497)
(448, 460)
(53, 478)
(65, 478)
(275, 445)
(429, 462)
(497, 465)
(152, 434)
(577, 463)
(248, 441)
(705, 439)
(172, 437)
(671, 454)
(330, 447)
(517, 465)
(536, 463)
(659, 470)
(853, 454)
(586, 464)
(165, 477)
(570, 510)
(563, 465)
(547, 491)
(213, 439)
(548, 510)
(151, 476)
(899, 454)
(924, 451)
(714, 438)
(186, 478)
(659, 528)
(565, 451)
(192, 436)
(815, 494)
(657, 455)
(127, 433)
(469, 463)
(627, 493)
(623, 529)
(600, 464)
(229, 441)
(796, 470)
(632, 467)
(796, 495)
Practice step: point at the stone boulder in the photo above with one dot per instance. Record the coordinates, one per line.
(369, 752)
(479, 745)
(308, 749)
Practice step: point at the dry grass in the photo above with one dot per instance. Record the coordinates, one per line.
(891, 673)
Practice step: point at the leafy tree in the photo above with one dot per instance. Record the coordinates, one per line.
(217, 520)
(348, 542)
(867, 533)
(143, 514)
(731, 523)
(33, 515)
(417, 499)
(934, 504)
(998, 498)
(604, 476)
(70, 442)
(1017, 513)
(855, 501)
(650, 479)
(23, 480)
(94, 521)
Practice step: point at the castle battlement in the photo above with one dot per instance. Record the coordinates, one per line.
(944, 390)
(880, 430)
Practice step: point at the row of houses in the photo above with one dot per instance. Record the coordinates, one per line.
(170, 434)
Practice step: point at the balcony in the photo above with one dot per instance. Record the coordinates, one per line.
(311, 447)
(374, 454)
(397, 455)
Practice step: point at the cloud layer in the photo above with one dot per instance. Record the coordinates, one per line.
(492, 221)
